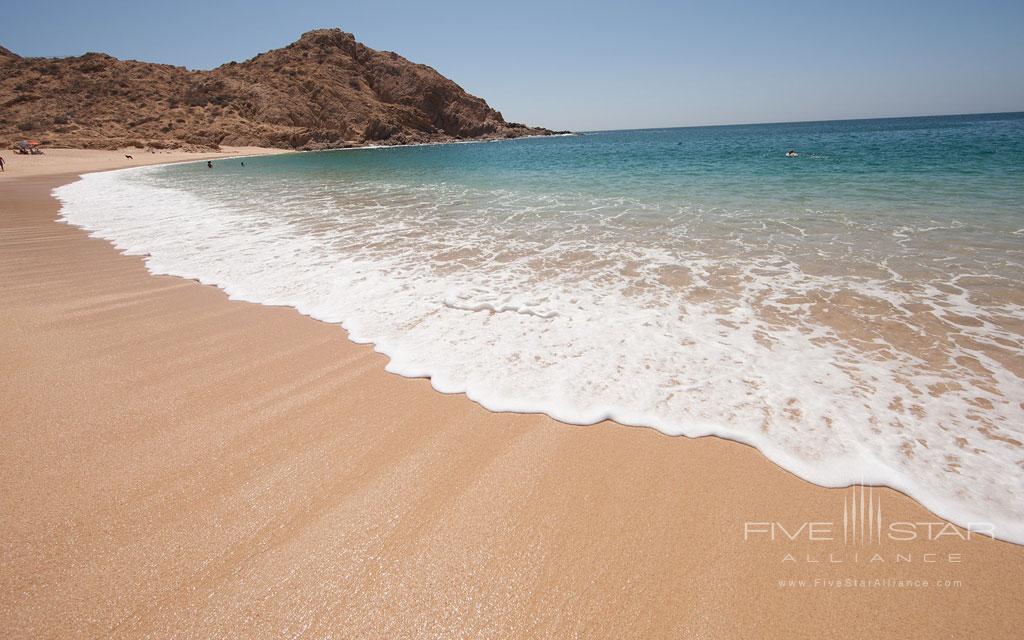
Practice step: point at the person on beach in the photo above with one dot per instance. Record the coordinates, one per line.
(2, 164)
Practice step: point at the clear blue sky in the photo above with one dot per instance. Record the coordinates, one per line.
(598, 64)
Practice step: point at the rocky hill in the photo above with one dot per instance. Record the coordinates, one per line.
(325, 90)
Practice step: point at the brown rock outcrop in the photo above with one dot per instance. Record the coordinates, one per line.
(325, 90)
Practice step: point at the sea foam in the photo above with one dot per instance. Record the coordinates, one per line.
(839, 347)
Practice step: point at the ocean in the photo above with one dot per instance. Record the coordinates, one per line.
(855, 312)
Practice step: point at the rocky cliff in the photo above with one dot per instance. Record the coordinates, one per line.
(325, 90)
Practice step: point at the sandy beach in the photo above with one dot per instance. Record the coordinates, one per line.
(176, 464)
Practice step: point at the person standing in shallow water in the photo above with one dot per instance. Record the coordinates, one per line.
(209, 164)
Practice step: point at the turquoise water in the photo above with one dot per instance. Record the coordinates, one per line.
(948, 164)
(856, 312)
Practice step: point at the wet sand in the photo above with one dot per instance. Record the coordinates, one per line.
(176, 464)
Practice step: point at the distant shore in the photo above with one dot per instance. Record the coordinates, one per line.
(179, 464)
(56, 161)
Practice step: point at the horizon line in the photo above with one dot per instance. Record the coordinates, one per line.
(751, 124)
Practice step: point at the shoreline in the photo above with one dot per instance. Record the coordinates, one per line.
(55, 161)
(363, 147)
(224, 458)
(876, 475)
(837, 475)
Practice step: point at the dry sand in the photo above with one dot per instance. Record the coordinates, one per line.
(175, 464)
(78, 161)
